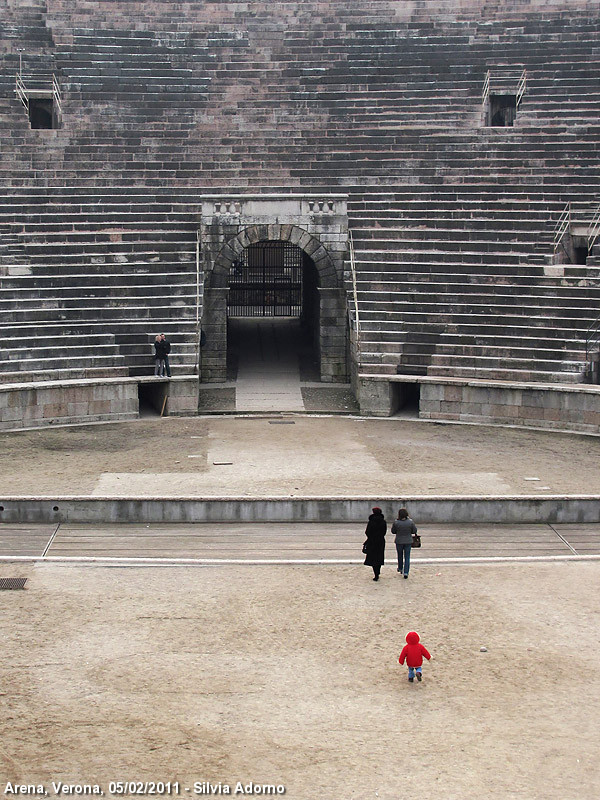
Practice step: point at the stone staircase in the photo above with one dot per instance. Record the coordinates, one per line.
(452, 221)
(86, 284)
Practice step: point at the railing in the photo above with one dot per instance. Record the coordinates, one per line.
(41, 86)
(505, 79)
(198, 324)
(594, 229)
(522, 86)
(592, 341)
(21, 92)
(562, 227)
(486, 86)
(56, 96)
(355, 293)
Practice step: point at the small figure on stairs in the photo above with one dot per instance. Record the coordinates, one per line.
(162, 348)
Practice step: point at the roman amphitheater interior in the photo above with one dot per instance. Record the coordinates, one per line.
(406, 192)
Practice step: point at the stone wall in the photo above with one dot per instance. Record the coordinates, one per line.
(574, 408)
(77, 402)
(571, 408)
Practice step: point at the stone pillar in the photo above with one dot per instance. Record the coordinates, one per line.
(213, 356)
(333, 323)
(376, 398)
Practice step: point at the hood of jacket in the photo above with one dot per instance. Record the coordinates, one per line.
(412, 638)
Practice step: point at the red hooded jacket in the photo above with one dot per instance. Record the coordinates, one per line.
(413, 651)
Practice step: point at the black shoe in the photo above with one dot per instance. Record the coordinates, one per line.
(376, 578)
(419, 678)
(411, 680)
(399, 569)
(406, 576)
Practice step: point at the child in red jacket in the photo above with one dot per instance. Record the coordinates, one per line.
(413, 652)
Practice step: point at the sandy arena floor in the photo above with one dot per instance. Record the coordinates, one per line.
(313, 456)
(289, 675)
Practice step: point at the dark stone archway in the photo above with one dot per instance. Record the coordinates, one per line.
(225, 237)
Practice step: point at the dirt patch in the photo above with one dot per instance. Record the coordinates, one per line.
(289, 675)
(315, 456)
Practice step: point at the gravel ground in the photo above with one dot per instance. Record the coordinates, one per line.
(289, 676)
(253, 456)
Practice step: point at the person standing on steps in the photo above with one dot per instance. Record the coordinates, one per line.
(159, 361)
(403, 529)
(166, 349)
(162, 348)
(374, 547)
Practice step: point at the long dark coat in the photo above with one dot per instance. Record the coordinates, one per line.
(376, 528)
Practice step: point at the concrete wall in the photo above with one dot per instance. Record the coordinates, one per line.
(522, 509)
(36, 405)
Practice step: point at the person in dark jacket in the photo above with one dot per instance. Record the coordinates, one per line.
(375, 544)
(166, 346)
(162, 348)
(403, 529)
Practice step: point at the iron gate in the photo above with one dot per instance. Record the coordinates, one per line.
(267, 281)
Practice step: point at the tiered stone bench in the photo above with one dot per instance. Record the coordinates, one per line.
(163, 103)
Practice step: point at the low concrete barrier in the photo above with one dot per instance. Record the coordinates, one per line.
(518, 509)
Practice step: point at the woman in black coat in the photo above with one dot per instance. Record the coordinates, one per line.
(375, 544)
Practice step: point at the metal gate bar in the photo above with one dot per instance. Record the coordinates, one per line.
(266, 281)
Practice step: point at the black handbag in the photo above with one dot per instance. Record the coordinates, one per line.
(416, 542)
(365, 547)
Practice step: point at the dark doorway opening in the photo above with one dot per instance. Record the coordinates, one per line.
(405, 399)
(502, 110)
(153, 398)
(41, 113)
(580, 253)
(273, 279)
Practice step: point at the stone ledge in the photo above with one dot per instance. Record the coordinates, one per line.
(11, 387)
(483, 382)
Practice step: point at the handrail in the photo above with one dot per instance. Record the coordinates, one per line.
(56, 93)
(45, 86)
(486, 86)
(355, 293)
(592, 338)
(594, 229)
(198, 326)
(522, 86)
(21, 91)
(562, 226)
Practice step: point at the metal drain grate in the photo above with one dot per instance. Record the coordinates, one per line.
(281, 422)
(12, 583)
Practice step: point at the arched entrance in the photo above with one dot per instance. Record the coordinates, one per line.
(257, 275)
(273, 322)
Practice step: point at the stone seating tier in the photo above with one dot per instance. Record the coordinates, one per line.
(164, 103)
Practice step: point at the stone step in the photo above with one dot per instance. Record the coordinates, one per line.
(509, 373)
(64, 374)
(37, 281)
(56, 296)
(479, 295)
(107, 314)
